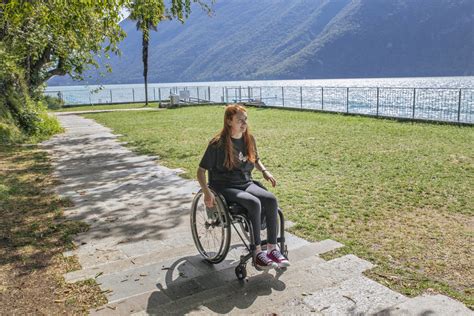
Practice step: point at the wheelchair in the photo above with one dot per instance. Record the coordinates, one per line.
(211, 230)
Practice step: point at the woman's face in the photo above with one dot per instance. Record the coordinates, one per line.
(239, 123)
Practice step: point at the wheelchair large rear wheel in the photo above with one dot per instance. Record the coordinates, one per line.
(210, 228)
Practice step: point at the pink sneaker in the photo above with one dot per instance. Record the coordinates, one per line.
(263, 262)
(280, 259)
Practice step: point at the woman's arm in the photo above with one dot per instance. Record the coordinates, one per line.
(266, 174)
(208, 196)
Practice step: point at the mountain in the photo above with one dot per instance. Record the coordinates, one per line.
(302, 39)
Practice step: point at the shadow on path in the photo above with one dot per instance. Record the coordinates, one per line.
(232, 293)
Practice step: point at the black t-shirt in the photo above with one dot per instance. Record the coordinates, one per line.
(219, 175)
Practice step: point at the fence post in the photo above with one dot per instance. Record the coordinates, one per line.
(347, 100)
(159, 94)
(301, 97)
(223, 95)
(260, 94)
(322, 98)
(459, 106)
(283, 95)
(377, 113)
(133, 94)
(240, 93)
(226, 95)
(248, 91)
(60, 96)
(414, 101)
(209, 93)
(197, 90)
(110, 95)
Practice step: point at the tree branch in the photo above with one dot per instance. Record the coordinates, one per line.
(58, 71)
(35, 69)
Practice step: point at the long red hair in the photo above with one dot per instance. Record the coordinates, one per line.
(224, 137)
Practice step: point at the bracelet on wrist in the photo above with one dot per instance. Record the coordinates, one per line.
(264, 170)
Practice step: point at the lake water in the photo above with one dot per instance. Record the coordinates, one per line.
(421, 82)
(430, 98)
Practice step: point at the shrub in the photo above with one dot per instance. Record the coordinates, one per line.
(53, 103)
(9, 134)
(45, 124)
(21, 117)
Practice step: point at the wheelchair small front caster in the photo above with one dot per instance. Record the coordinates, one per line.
(241, 271)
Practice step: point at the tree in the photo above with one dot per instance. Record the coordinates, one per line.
(44, 38)
(66, 37)
(148, 13)
(52, 38)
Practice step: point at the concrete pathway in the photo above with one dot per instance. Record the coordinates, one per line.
(139, 247)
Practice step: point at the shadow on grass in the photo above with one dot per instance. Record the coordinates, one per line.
(30, 230)
(33, 236)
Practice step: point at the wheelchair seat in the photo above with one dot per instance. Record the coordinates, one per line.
(236, 209)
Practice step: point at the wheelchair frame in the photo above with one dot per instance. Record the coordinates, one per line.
(233, 214)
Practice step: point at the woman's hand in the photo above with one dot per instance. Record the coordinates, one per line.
(209, 199)
(269, 177)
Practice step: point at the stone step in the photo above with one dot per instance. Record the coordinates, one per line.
(178, 284)
(216, 278)
(265, 293)
(137, 216)
(355, 296)
(107, 258)
(165, 189)
(295, 306)
(145, 219)
(81, 151)
(93, 255)
(96, 175)
(123, 282)
(433, 305)
(127, 263)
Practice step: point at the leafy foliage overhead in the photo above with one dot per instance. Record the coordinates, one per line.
(58, 37)
(40, 39)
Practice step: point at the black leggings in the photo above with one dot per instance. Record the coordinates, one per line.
(256, 200)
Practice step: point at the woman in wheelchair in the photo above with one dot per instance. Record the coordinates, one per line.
(230, 158)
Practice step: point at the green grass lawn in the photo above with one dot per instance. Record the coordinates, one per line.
(105, 107)
(397, 194)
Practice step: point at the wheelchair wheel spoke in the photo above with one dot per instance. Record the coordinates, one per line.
(211, 235)
(214, 240)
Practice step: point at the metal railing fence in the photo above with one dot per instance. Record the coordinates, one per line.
(435, 104)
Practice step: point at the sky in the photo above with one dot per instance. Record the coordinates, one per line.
(125, 13)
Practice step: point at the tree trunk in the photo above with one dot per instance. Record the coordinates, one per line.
(145, 60)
